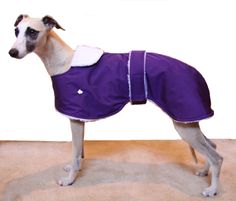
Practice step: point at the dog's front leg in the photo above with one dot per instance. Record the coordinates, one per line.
(77, 129)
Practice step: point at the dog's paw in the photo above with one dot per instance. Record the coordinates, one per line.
(65, 181)
(209, 192)
(202, 173)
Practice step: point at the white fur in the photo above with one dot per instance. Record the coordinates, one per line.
(21, 41)
(86, 56)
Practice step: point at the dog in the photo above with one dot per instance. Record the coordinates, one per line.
(143, 74)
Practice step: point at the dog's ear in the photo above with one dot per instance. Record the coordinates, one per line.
(19, 18)
(49, 22)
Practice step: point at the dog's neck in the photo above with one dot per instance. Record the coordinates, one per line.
(55, 54)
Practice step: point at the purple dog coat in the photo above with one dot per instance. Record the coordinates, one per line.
(94, 90)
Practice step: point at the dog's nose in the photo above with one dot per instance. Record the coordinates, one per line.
(13, 52)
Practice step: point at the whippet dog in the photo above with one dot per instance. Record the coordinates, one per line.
(37, 35)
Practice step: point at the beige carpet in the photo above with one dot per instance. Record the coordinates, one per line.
(112, 171)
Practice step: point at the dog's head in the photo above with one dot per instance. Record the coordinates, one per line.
(31, 34)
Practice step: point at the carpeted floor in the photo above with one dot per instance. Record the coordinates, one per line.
(112, 171)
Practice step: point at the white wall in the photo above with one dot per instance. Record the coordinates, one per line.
(201, 33)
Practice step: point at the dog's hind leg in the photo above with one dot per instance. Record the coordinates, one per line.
(77, 129)
(191, 133)
(204, 171)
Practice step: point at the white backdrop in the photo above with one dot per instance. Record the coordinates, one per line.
(201, 33)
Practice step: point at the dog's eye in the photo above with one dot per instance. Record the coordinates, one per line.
(32, 33)
(16, 32)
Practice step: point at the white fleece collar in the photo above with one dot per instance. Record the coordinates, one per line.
(86, 56)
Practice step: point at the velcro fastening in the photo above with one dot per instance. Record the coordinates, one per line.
(137, 77)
